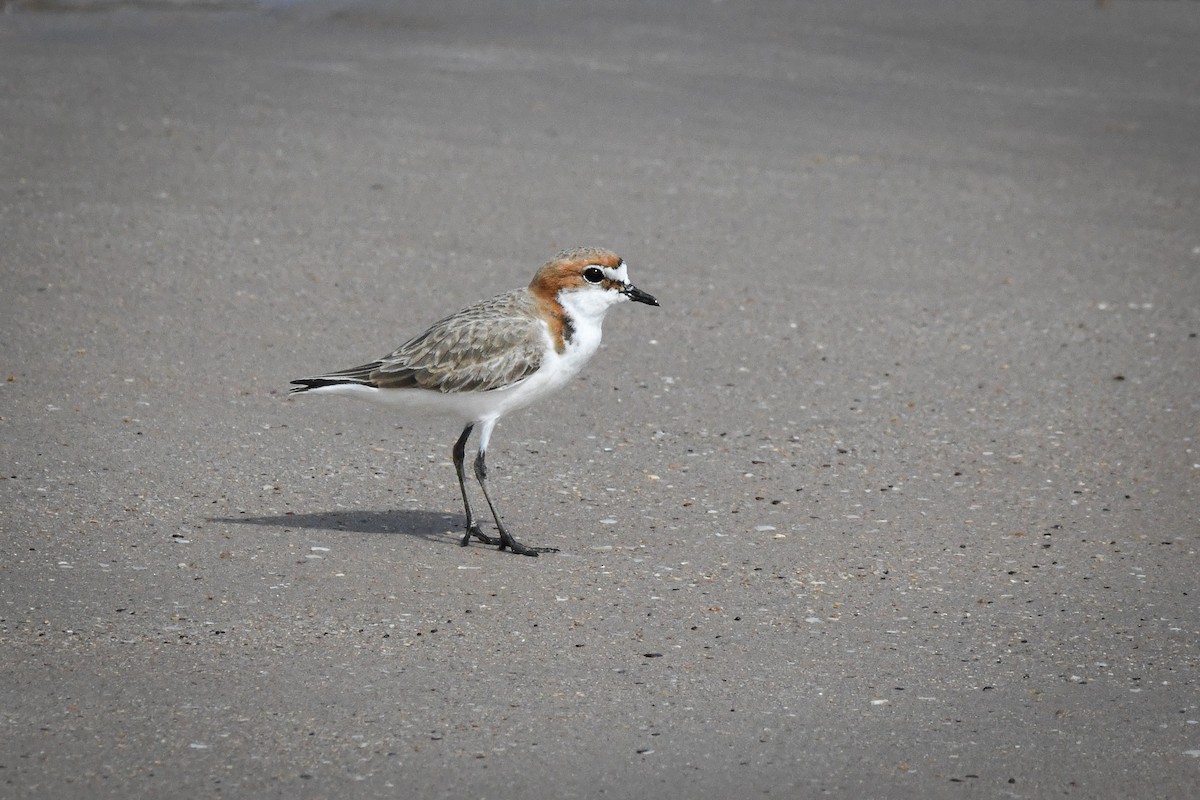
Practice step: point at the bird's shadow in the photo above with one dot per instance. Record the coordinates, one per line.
(431, 525)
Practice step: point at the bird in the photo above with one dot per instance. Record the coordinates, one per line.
(493, 357)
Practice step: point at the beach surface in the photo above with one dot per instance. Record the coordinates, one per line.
(895, 495)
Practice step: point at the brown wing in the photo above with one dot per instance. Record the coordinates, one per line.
(489, 345)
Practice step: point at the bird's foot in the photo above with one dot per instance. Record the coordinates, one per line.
(507, 541)
(504, 542)
(473, 530)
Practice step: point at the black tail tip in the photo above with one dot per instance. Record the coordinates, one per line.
(304, 384)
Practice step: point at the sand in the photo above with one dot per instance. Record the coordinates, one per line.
(894, 496)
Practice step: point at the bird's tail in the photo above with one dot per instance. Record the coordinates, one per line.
(360, 376)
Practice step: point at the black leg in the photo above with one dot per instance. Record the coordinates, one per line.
(506, 539)
(460, 450)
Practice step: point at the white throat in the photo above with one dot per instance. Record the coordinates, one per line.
(585, 312)
(587, 307)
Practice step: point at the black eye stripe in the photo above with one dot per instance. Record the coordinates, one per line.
(593, 274)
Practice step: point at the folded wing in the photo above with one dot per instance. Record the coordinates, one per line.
(487, 346)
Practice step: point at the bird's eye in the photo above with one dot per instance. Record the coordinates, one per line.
(593, 274)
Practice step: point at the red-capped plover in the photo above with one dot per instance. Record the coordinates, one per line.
(495, 356)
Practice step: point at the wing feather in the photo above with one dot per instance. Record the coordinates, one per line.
(489, 345)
